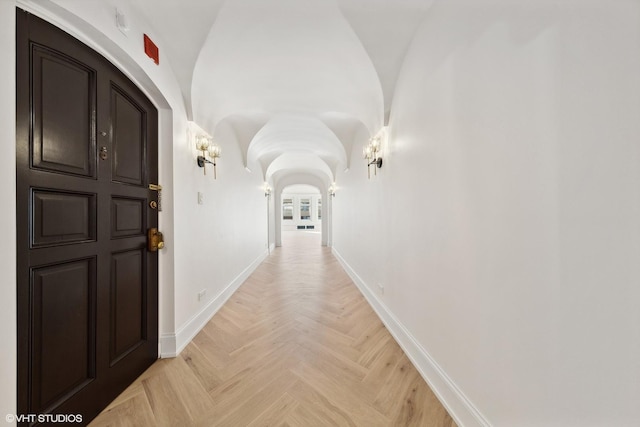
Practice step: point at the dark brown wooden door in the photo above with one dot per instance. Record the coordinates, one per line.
(87, 286)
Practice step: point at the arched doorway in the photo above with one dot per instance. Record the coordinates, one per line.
(301, 217)
(302, 204)
(301, 209)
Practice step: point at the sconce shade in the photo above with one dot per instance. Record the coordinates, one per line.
(267, 189)
(370, 152)
(202, 142)
(332, 190)
(215, 151)
(375, 143)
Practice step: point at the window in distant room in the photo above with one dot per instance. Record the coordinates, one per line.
(305, 209)
(319, 208)
(287, 209)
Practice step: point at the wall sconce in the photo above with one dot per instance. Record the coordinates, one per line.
(206, 145)
(370, 152)
(332, 190)
(267, 190)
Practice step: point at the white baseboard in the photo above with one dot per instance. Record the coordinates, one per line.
(451, 397)
(167, 346)
(172, 344)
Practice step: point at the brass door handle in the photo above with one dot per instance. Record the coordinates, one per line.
(155, 240)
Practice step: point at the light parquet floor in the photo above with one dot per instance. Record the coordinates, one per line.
(296, 345)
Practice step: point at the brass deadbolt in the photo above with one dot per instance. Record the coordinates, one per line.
(155, 240)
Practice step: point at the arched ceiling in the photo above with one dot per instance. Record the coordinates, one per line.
(296, 79)
(285, 136)
(298, 163)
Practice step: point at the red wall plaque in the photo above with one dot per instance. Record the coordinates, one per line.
(151, 50)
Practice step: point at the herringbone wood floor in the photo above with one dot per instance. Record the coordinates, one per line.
(296, 345)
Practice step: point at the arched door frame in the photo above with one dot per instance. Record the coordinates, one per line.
(124, 59)
(304, 179)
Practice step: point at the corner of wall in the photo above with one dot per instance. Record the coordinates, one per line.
(457, 404)
(172, 344)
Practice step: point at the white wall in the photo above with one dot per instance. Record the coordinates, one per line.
(7, 215)
(203, 250)
(508, 209)
(220, 242)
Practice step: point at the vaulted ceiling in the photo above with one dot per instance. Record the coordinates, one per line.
(297, 80)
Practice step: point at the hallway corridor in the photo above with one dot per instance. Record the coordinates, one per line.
(296, 345)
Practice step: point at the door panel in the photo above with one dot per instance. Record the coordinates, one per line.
(127, 217)
(127, 303)
(62, 217)
(128, 121)
(64, 311)
(87, 286)
(63, 103)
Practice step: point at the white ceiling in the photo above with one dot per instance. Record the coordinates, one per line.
(296, 79)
